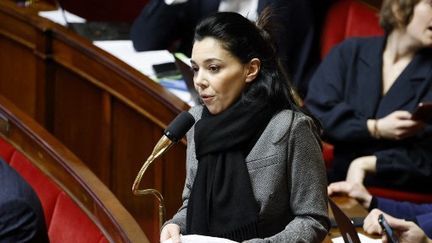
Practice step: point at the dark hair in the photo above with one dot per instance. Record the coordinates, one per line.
(389, 21)
(245, 40)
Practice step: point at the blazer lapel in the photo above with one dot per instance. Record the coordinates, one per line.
(408, 85)
(369, 77)
(273, 133)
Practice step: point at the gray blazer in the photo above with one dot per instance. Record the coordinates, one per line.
(288, 180)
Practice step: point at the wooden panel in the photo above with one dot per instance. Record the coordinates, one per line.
(70, 174)
(17, 75)
(24, 62)
(132, 143)
(16, 25)
(18, 62)
(107, 113)
(173, 177)
(120, 80)
(149, 109)
(81, 121)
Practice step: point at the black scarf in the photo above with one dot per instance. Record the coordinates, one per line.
(222, 203)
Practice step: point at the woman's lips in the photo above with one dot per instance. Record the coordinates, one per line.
(206, 98)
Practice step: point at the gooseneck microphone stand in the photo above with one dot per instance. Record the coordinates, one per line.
(174, 132)
(163, 145)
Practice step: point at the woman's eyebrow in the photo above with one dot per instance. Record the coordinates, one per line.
(212, 59)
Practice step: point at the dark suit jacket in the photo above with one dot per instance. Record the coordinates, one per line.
(419, 213)
(21, 214)
(346, 91)
(160, 25)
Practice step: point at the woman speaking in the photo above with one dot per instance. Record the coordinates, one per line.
(254, 164)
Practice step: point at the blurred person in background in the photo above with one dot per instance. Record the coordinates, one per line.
(21, 215)
(364, 94)
(169, 24)
(412, 221)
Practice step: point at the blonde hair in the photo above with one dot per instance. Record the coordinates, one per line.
(396, 13)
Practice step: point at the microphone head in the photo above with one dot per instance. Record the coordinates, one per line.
(179, 126)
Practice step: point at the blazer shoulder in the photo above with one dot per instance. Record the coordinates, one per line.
(355, 42)
(287, 121)
(358, 44)
(294, 117)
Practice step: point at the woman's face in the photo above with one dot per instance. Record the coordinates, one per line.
(219, 77)
(420, 26)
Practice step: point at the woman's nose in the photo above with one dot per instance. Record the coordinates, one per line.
(200, 80)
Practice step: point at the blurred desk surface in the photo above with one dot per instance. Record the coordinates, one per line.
(352, 209)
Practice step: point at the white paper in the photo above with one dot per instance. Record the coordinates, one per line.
(141, 61)
(363, 239)
(200, 239)
(60, 17)
(169, 2)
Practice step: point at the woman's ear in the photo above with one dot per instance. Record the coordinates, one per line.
(253, 69)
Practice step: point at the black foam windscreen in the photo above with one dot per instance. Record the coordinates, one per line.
(179, 126)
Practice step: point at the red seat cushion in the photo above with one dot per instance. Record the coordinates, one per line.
(66, 222)
(328, 154)
(401, 195)
(46, 190)
(70, 224)
(6, 150)
(348, 18)
(362, 20)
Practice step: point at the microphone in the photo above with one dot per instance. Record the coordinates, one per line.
(172, 134)
(179, 126)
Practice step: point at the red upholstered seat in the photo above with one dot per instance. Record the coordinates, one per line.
(6, 150)
(401, 195)
(327, 154)
(46, 190)
(70, 224)
(66, 222)
(353, 18)
(348, 18)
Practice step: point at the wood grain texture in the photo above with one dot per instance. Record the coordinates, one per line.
(70, 174)
(107, 113)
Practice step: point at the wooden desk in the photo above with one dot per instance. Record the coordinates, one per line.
(352, 209)
(60, 173)
(107, 113)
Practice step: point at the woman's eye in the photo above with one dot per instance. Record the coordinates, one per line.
(194, 69)
(214, 69)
